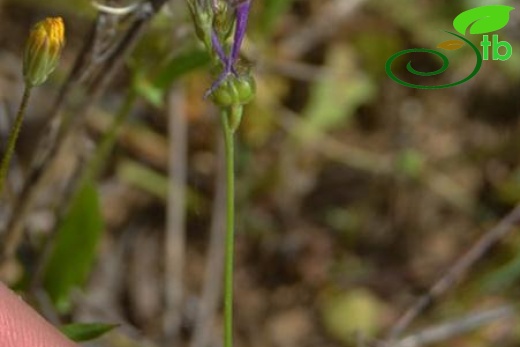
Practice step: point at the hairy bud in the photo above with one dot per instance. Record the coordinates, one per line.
(43, 50)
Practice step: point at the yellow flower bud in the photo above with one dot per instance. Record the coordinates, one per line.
(43, 50)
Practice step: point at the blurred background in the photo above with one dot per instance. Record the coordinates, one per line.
(354, 193)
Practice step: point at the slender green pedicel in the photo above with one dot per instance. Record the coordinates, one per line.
(231, 90)
(41, 56)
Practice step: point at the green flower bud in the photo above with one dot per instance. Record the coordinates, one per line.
(246, 88)
(224, 96)
(223, 20)
(43, 50)
(202, 17)
(235, 91)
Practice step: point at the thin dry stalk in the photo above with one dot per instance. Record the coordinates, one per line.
(457, 271)
(209, 301)
(323, 25)
(445, 331)
(176, 215)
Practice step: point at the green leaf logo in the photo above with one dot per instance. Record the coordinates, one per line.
(482, 20)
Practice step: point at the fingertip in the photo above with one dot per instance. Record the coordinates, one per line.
(22, 326)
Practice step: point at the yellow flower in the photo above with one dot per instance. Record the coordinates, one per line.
(43, 50)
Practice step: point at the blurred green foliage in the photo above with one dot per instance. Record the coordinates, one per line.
(74, 247)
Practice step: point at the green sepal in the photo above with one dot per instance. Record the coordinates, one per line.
(234, 91)
(235, 116)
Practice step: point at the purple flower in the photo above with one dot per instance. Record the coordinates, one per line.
(242, 8)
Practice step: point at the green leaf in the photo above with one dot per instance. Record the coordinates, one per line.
(144, 178)
(155, 183)
(75, 246)
(482, 20)
(153, 88)
(86, 331)
(179, 66)
(148, 91)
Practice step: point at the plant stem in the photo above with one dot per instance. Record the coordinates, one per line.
(230, 229)
(13, 136)
(98, 160)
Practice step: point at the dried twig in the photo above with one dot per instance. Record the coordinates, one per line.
(457, 271)
(445, 331)
(325, 24)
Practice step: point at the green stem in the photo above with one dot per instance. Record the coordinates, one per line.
(13, 136)
(230, 229)
(96, 163)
